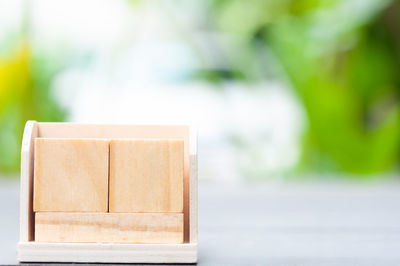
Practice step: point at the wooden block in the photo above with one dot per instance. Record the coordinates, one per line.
(71, 175)
(157, 228)
(146, 176)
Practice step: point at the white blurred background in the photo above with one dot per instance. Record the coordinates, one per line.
(127, 62)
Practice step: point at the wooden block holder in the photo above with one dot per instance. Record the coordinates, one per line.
(31, 251)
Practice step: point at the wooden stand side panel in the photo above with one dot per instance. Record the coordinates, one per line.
(193, 198)
(26, 183)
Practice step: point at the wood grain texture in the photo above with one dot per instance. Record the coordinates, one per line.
(107, 253)
(112, 131)
(71, 175)
(31, 251)
(146, 176)
(156, 228)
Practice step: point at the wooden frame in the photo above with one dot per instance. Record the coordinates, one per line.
(31, 251)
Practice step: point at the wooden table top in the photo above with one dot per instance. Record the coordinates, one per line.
(276, 223)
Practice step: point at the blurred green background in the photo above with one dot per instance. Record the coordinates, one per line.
(335, 64)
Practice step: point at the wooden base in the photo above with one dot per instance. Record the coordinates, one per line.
(107, 253)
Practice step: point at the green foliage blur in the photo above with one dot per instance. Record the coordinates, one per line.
(24, 95)
(342, 58)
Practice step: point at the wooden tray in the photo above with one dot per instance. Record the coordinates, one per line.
(31, 251)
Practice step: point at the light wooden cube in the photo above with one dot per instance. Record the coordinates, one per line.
(71, 175)
(89, 227)
(146, 176)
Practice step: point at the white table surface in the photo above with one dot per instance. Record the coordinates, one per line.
(287, 223)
